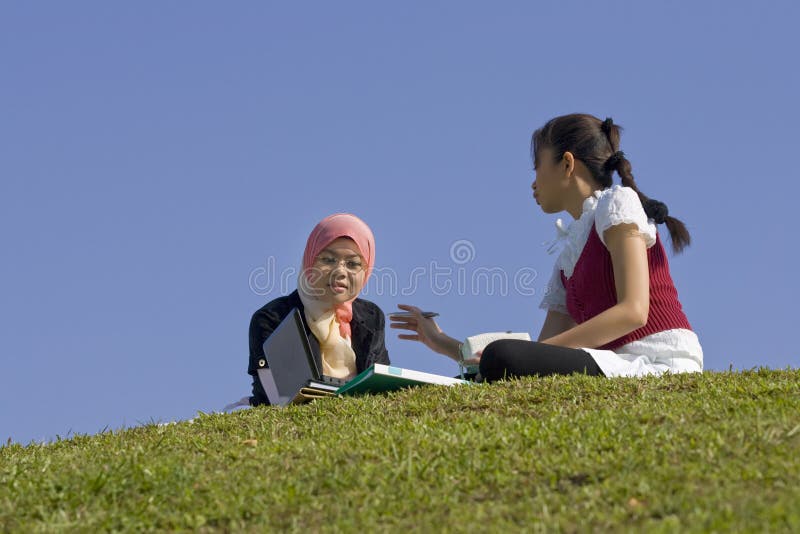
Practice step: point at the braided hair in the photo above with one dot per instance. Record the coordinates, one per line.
(596, 144)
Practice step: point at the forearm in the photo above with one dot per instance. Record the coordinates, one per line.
(448, 346)
(612, 324)
(554, 324)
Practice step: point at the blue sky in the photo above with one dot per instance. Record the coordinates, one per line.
(161, 165)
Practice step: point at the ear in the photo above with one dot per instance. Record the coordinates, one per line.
(568, 163)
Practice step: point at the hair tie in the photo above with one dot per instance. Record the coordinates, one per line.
(656, 210)
(613, 160)
(606, 126)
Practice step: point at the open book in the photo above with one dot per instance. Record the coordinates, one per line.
(379, 377)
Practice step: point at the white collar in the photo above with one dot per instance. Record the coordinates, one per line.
(563, 231)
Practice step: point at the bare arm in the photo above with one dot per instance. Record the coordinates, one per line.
(632, 280)
(554, 324)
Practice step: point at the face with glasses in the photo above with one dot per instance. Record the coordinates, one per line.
(338, 272)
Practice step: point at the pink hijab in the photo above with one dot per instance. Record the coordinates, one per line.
(326, 232)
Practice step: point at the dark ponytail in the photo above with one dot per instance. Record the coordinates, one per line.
(596, 144)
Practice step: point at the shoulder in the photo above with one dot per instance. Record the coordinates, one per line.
(276, 310)
(621, 205)
(619, 198)
(369, 313)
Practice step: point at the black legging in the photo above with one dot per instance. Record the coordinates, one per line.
(508, 358)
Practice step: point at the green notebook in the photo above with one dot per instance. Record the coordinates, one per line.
(379, 377)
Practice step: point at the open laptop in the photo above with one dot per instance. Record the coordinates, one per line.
(292, 366)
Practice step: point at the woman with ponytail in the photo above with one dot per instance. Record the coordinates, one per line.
(612, 307)
(346, 333)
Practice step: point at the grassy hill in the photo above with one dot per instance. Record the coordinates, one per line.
(717, 451)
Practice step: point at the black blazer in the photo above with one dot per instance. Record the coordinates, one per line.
(368, 328)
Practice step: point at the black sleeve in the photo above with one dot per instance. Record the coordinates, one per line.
(377, 349)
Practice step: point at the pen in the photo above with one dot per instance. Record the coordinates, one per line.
(426, 315)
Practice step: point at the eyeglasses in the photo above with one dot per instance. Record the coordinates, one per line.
(327, 263)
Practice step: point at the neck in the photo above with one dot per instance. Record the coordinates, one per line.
(582, 190)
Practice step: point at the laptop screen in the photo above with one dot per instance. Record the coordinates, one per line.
(290, 361)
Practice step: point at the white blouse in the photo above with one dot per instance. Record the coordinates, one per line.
(676, 350)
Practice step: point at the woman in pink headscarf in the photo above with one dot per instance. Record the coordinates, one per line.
(346, 333)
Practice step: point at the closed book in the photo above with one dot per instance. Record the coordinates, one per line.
(307, 394)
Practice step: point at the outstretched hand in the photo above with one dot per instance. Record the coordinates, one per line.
(425, 330)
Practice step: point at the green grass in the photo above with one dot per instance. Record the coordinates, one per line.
(710, 452)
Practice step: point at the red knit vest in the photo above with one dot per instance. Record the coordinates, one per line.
(591, 290)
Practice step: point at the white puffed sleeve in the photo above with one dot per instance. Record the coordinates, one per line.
(621, 205)
(555, 296)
